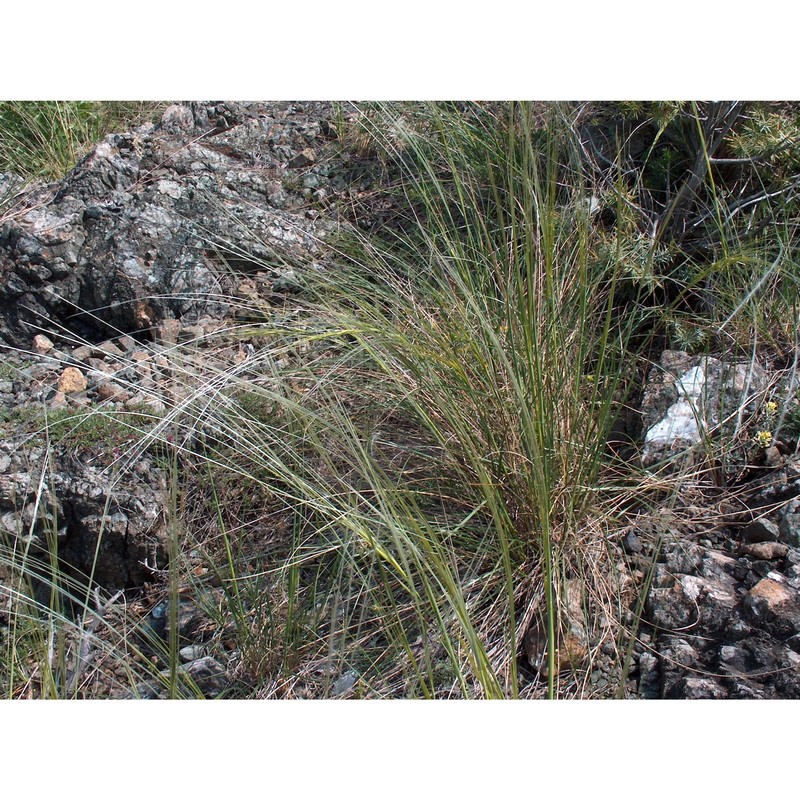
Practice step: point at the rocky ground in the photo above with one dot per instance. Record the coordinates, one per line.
(721, 611)
(157, 243)
(154, 245)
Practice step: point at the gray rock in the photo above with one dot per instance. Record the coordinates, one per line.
(718, 566)
(677, 656)
(344, 683)
(208, 674)
(150, 225)
(144, 690)
(789, 524)
(761, 530)
(683, 557)
(745, 690)
(696, 688)
(649, 677)
(108, 348)
(191, 652)
(178, 118)
(632, 544)
(303, 159)
(734, 659)
(669, 609)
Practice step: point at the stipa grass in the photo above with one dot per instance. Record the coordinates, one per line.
(442, 439)
(504, 342)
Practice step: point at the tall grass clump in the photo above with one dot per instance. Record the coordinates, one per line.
(500, 330)
(442, 442)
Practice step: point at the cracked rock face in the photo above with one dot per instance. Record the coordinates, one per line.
(156, 237)
(111, 530)
(151, 224)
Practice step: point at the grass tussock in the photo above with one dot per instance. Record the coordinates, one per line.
(447, 442)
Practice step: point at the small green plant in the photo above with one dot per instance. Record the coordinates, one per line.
(770, 136)
(107, 431)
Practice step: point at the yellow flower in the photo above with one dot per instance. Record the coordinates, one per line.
(762, 439)
(770, 408)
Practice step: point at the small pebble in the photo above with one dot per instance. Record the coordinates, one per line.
(191, 653)
(72, 381)
(41, 344)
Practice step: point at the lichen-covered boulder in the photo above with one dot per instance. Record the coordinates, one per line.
(155, 224)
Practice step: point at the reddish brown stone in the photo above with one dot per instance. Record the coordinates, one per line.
(111, 391)
(772, 593)
(768, 551)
